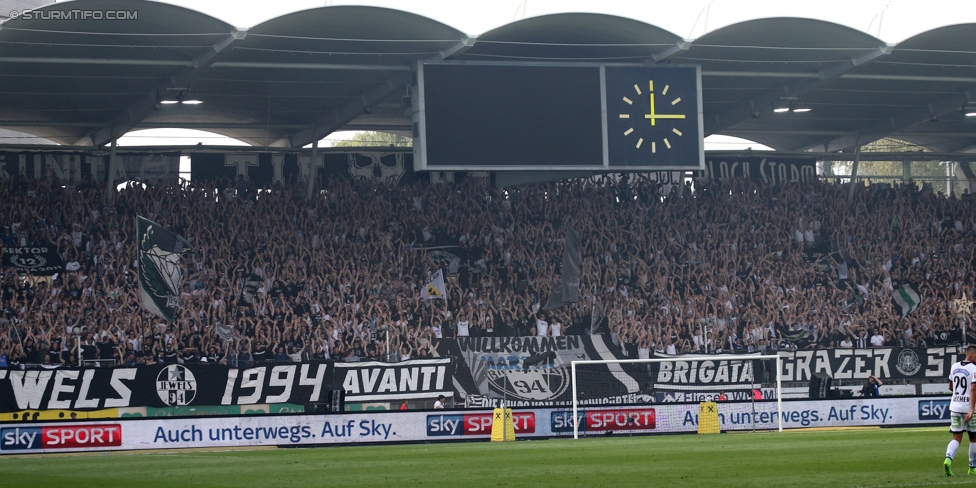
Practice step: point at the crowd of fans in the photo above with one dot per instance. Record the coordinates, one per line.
(716, 266)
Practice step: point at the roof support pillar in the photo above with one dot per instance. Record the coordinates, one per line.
(857, 160)
(897, 123)
(346, 113)
(312, 167)
(110, 181)
(142, 106)
(763, 104)
(678, 47)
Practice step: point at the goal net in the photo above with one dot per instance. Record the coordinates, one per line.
(746, 388)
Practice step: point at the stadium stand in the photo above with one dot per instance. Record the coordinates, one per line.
(659, 266)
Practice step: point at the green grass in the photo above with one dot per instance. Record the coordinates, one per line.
(881, 457)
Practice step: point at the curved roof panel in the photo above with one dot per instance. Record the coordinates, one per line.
(346, 34)
(63, 68)
(573, 37)
(303, 75)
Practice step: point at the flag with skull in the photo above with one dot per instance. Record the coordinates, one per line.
(160, 274)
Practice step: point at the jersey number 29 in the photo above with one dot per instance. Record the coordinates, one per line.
(960, 385)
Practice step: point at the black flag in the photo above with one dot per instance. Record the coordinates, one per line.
(567, 290)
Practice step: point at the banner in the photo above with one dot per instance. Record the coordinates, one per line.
(886, 363)
(385, 382)
(567, 290)
(39, 261)
(160, 274)
(161, 386)
(443, 425)
(536, 371)
(178, 385)
(495, 368)
(767, 170)
(75, 167)
(267, 169)
(699, 373)
(481, 372)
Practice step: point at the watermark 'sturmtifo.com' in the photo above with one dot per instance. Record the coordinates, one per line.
(75, 14)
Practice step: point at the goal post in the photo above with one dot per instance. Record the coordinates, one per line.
(642, 375)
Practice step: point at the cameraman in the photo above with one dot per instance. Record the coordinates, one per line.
(871, 388)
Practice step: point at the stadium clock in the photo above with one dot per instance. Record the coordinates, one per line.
(653, 117)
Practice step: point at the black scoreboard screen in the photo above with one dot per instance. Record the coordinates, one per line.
(509, 117)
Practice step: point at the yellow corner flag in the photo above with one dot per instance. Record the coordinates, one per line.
(502, 425)
(708, 418)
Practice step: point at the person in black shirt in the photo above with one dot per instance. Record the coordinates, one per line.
(171, 355)
(213, 355)
(30, 351)
(191, 355)
(357, 347)
(106, 347)
(54, 350)
(260, 351)
(88, 349)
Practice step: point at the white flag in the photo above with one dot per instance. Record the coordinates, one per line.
(434, 288)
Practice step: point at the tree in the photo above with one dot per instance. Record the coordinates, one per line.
(373, 138)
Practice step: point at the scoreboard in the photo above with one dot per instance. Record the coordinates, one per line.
(473, 116)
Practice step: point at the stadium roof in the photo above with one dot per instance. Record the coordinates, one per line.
(301, 76)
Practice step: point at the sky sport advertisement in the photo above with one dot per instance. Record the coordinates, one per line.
(309, 430)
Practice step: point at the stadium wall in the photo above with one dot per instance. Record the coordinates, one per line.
(452, 425)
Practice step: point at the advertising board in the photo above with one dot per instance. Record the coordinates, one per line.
(445, 425)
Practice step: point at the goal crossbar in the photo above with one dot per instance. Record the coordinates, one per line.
(720, 357)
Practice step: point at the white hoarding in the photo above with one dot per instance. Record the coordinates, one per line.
(383, 427)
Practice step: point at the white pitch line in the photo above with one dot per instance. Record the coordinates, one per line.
(918, 484)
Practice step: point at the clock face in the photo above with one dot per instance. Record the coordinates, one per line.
(653, 117)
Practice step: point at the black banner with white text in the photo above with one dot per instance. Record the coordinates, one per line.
(37, 260)
(75, 167)
(885, 363)
(267, 169)
(171, 385)
(768, 170)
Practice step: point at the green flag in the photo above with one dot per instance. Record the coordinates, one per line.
(160, 275)
(907, 299)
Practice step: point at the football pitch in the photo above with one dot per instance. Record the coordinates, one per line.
(870, 458)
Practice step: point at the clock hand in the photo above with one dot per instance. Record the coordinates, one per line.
(653, 116)
(653, 119)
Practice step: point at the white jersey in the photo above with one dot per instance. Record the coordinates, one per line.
(961, 378)
(555, 329)
(462, 328)
(542, 328)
